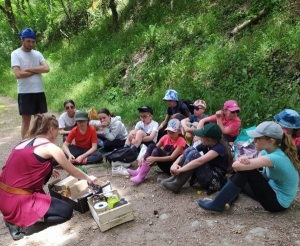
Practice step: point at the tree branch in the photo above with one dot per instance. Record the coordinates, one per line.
(247, 23)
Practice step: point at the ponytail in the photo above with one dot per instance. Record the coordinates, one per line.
(41, 125)
(229, 154)
(290, 149)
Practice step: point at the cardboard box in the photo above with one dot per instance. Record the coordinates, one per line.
(78, 189)
(65, 183)
(111, 217)
(80, 204)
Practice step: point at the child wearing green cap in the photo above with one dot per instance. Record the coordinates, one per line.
(84, 150)
(209, 168)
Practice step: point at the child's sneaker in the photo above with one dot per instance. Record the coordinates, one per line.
(119, 163)
(119, 171)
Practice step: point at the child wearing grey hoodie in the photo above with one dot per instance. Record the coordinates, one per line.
(112, 133)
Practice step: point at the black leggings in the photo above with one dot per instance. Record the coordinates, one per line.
(110, 145)
(58, 212)
(95, 157)
(259, 189)
(152, 150)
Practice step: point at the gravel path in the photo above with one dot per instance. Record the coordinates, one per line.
(179, 221)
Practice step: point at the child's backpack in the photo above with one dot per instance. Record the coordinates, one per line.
(244, 146)
(123, 154)
(189, 104)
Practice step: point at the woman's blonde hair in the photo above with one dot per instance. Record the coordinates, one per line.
(287, 145)
(41, 125)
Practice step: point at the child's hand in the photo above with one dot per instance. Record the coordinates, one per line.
(140, 162)
(79, 159)
(104, 123)
(131, 137)
(244, 160)
(219, 114)
(150, 160)
(173, 168)
(176, 171)
(71, 158)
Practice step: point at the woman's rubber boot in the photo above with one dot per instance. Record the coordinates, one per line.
(14, 231)
(170, 179)
(178, 182)
(226, 195)
(133, 173)
(144, 169)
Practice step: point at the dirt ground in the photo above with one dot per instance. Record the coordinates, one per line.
(179, 221)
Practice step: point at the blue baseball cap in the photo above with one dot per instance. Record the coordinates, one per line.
(171, 95)
(288, 118)
(27, 33)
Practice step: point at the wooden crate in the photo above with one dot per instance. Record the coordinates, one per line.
(79, 204)
(112, 217)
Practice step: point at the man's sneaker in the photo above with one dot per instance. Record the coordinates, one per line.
(119, 163)
(119, 171)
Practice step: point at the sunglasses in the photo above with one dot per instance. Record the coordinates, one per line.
(197, 108)
(234, 112)
(69, 107)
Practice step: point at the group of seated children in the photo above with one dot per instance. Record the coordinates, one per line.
(207, 163)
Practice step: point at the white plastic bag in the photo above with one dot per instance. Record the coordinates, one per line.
(142, 152)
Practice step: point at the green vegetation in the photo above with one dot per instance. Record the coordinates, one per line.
(184, 45)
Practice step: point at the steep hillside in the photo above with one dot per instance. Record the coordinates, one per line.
(214, 50)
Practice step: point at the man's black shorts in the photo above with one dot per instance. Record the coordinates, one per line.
(32, 103)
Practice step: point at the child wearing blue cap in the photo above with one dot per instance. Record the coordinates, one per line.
(289, 120)
(176, 110)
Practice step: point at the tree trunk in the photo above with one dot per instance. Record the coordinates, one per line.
(65, 10)
(8, 11)
(114, 12)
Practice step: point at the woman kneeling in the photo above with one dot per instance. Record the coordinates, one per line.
(27, 169)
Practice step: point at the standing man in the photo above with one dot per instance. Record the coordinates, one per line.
(28, 66)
